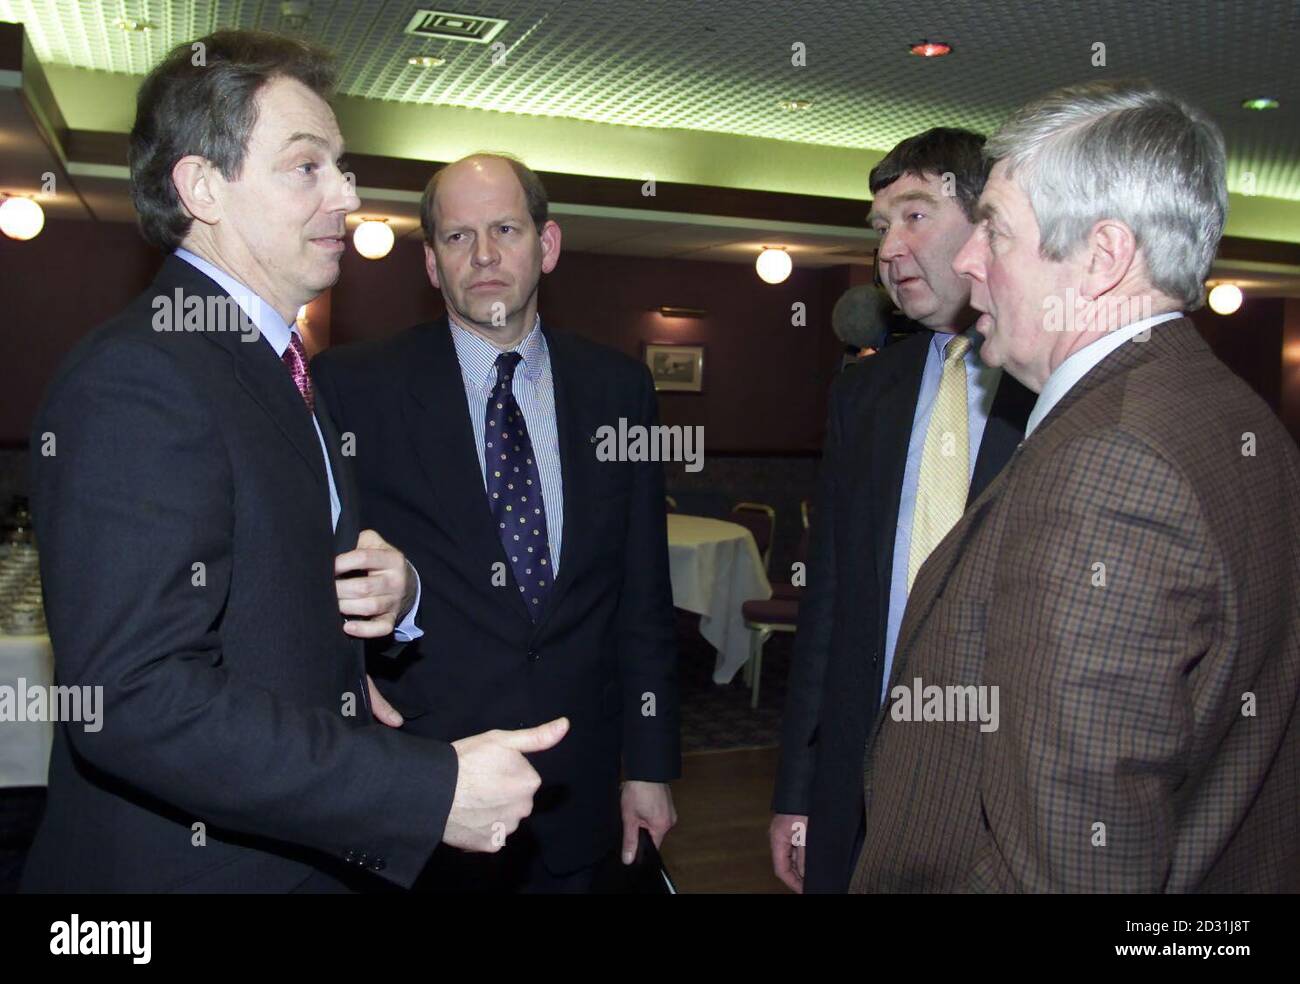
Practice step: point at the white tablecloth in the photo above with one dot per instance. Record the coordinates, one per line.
(715, 568)
(25, 745)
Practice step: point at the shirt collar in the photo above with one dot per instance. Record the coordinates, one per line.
(1065, 376)
(478, 356)
(268, 321)
(942, 338)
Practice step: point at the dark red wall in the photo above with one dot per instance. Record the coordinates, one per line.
(54, 289)
(1291, 366)
(765, 380)
(1250, 342)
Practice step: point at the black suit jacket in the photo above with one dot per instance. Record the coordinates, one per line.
(835, 677)
(602, 653)
(187, 562)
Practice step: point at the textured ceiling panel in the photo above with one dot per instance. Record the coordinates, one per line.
(726, 65)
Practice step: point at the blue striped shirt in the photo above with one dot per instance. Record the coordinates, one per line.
(534, 391)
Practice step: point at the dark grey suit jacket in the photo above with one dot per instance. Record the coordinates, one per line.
(227, 686)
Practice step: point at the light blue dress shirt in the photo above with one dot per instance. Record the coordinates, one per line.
(981, 386)
(534, 390)
(276, 331)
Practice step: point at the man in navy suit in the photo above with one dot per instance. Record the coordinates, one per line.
(544, 569)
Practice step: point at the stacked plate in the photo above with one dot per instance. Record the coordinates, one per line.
(21, 612)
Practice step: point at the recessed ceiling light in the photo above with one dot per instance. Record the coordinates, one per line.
(795, 105)
(930, 49)
(426, 61)
(128, 24)
(1262, 102)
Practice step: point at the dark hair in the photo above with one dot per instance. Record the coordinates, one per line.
(201, 99)
(938, 151)
(539, 208)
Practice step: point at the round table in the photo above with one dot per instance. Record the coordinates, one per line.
(26, 661)
(715, 568)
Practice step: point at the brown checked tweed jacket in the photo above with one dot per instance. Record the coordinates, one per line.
(1129, 585)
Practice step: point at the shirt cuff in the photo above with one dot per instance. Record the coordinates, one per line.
(408, 631)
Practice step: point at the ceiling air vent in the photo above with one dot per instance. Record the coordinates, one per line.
(441, 25)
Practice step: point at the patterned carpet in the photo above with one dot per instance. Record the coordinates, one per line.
(715, 717)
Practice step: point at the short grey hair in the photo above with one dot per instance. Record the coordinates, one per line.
(1123, 151)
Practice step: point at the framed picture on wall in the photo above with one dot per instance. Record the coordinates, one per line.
(676, 368)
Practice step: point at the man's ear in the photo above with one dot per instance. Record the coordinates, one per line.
(194, 178)
(550, 246)
(1112, 252)
(431, 266)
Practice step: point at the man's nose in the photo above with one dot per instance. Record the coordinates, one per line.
(485, 250)
(891, 245)
(969, 260)
(343, 197)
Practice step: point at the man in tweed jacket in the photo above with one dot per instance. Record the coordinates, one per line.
(1096, 681)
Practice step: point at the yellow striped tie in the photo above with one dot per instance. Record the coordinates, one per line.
(945, 461)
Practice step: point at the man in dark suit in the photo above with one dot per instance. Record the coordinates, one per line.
(1119, 604)
(191, 524)
(544, 568)
(915, 431)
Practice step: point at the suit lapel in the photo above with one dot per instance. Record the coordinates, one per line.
(256, 367)
(576, 460)
(895, 409)
(1003, 431)
(349, 525)
(930, 580)
(437, 419)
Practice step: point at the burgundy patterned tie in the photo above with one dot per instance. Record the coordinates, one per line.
(295, 360)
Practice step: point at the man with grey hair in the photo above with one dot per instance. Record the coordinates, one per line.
(1124, 590)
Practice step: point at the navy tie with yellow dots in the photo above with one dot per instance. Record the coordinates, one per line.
(514, 489)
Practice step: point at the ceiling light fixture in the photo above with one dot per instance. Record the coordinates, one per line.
(774, 264)
(1225, 299)
(1260, 103)
(795, 105)
(21, 218)
(930, 49)
(426, 61)
(129, 24)
(294, 14)
(373, 239)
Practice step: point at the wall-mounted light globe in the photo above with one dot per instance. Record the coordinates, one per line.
(1225, 298)
(373, 239)
(773, 265)
(21, 218)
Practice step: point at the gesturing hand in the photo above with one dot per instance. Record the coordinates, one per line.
(495, 784)
(382, 595)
